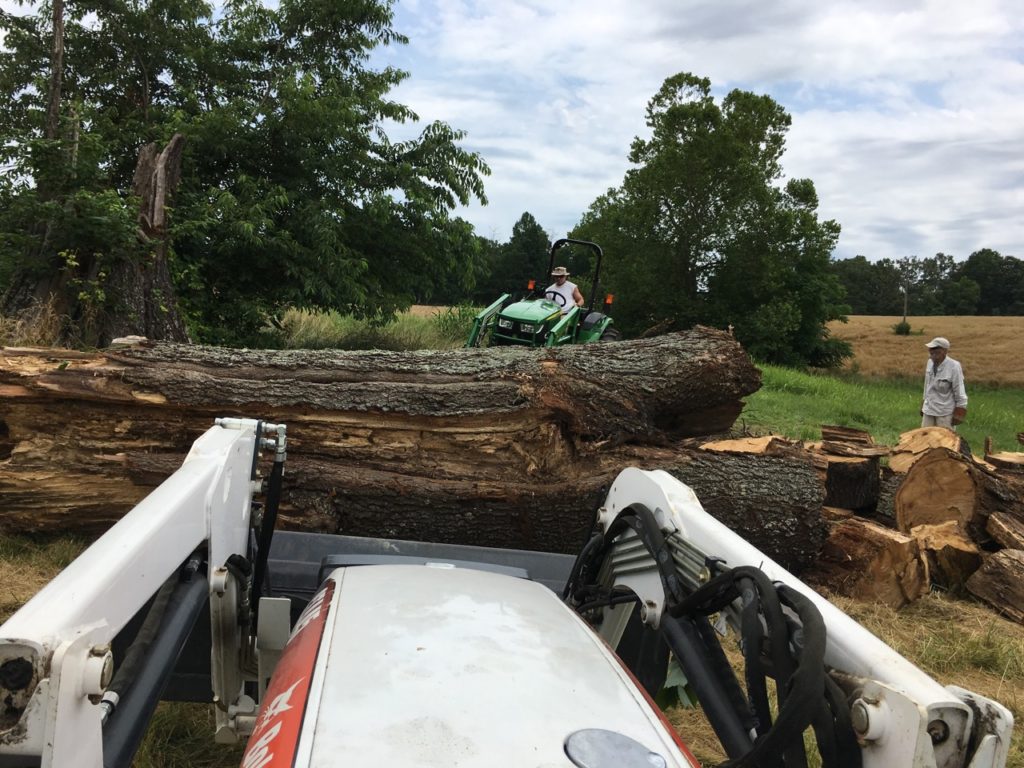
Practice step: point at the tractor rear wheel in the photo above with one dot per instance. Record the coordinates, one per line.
(611, 334)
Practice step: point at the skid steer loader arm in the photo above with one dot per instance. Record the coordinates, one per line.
(188, 541)
(656, 556)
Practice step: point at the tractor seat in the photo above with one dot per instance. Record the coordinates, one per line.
(592, 319)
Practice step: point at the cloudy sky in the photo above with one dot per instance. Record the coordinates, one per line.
(907, 115)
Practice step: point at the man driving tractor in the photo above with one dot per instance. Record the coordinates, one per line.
(563, 292)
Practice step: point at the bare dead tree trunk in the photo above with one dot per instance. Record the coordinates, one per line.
(145, 290)
(56, 71)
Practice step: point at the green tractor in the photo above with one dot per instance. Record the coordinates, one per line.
(537, 320)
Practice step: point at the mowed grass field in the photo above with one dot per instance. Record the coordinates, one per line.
(989, 348)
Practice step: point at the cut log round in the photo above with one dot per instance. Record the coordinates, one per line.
(1000, 583)
(943, 485)
(952, 556)
(867, 561)
(939, 488)
(1012, 462)
(917, 442)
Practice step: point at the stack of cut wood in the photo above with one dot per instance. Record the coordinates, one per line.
(934, 515)
(929, 514)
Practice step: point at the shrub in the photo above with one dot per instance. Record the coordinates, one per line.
(454, 323)
(901, 328)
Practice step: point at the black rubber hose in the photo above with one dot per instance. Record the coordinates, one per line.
(266, 533)
(127, 725)
(806, 691)
(702, 673)
(581, 561)
(136, 653)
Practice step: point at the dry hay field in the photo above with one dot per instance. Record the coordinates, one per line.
(985, 346)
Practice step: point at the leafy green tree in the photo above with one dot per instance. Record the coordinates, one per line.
(960, 296)
(1000, 281)
(872, 288)
(700, 231)
(522, 258)
(291, 193)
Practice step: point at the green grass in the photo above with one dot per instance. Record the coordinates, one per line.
(444, 329)
(796, 404)
(181, 736)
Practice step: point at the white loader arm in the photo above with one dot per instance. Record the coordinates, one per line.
(55, 652)
(902, 717)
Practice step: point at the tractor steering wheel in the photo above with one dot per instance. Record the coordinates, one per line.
(556, 297)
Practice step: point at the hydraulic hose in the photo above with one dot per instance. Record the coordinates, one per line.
(266, 533)
(143, 685)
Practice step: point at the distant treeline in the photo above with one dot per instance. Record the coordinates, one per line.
(986, 283)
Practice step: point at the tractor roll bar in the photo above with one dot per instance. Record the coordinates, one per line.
(561, 242)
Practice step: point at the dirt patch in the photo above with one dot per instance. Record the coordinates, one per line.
(985, 346)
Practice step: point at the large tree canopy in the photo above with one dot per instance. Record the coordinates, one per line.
(701, 231)
(291, 193)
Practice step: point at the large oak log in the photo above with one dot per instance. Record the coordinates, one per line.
(506, 447)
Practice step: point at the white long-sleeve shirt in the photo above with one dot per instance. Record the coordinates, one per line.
(943, 388)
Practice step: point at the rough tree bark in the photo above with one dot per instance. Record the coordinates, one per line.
(508, 447)
(999, 584)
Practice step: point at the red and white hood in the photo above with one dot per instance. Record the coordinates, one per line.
(409, 665)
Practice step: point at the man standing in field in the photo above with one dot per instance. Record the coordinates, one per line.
(945, 399)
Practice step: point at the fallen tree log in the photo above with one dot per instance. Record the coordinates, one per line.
(504, 447)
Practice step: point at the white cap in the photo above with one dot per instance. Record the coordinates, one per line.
(938, 341)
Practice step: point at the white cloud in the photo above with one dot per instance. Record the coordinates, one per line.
(909, 117)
